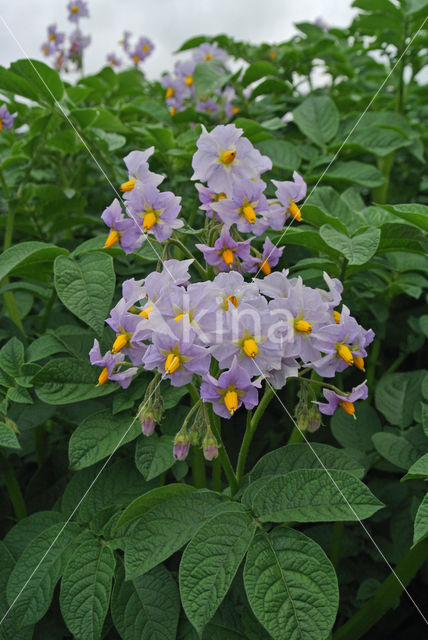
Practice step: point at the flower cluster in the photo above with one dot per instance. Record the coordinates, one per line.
(180, 90)
(63, 54)
(136, 53)
(226, 334)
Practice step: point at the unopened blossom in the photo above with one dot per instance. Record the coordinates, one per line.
(154, 211)
(113, 60)
(77, 9)
(124, 231)
(138, 171)
(269, 258)
(288, 193)
(113, 367)
(232, 389)
(181, 446)
(223, 156)
(148, 426)
(6, 118)
(226, 252)
(206, 52)
(246, 206)
(334, 400)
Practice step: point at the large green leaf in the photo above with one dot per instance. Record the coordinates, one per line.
(9, 625)
(257, 70)
(303, 456)
(153, 455)
(283, 154)
(353, 172)
(358, 249)
(356, 435)
(165, 528)
(86, 286)
(377, 140)
(414, 213)
(66, 380)
(210, 562)
(33, 579)
(12, 357)
(313, 495)
(99, 435)
(208, 77)
(147, 607)
(397, 394)
(419, 469)
(44, 81)
(396, 449)
(291, 585)
(85, 589)
(27, 254)
(317, 118)
(421, 521)
(24, 531)
(142, 504)
(8, 437)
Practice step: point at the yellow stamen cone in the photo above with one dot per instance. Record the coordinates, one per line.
(359, 363)
(120, 342)
(172, 363)
(208, 56)
(235, 110)
(344, 352)
(233, 299)
(173, 111)
(112, 238)
(103, 377)
(265, 267)
(336, 316)
(302, 326)
(127, 186)
(227, 256)
(227, 157)
(169, 93)
(146, 312)
(295, 211)
(249, 214)
(148, 221)
(348, 407)
(250, 348)
(146, 48)
(179, 317)
(189, 81)
(136, 59)
(231, 401)
(221, 196)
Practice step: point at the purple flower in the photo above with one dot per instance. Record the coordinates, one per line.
(113, 60)
(125, 41)
(288, 193)
(206, 52)
(78, 42)
(181, 446)
(111, 363)
(6, 118)
(345, 401)
(61, 60)
(223, 156)
(55, 38)
(232, 389)
(155, 212)
(138, 171)
(208, 197)
(148, 426)
(246, 207)
(77, 9)
(142, 50)
(125, 231)
(270, 258)
(225, 252)
(207, 105)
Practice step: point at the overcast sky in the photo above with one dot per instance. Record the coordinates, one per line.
(168, 23)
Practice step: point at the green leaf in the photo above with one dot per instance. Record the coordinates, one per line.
(312, 495)
(99, 435)
(153, 455)
(291, 585)
(397, 236)
(165, 528)
(210, 562)
(24, 531)
(27, 254)
(397, 394)
(317, 118)
(301, 456)
(421, 521)
(66, 380)
(396, 449)
(377, 140)
(416, 214)
(208, 77)
(358, 249)
(356, 434)
(143, 503)
(147, 607)
(304, 236)
(8, 437)
(353, 172)
(191, 43)
(86, 286)
(257, 70)
(32, 582)
(85, 589)
(419, 469)
(43, 80)
(283, 154)
(9, 626)
(12, 357)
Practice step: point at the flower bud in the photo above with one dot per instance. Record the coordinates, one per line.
(148, 426)
(181, 446)
(314, 419)
(210, 447)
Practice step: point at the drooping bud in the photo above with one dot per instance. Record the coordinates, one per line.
(127, 186)
(302, 326)
(231, 401)
(295, 211)
(314, 419)
(227, 157)
(359, 363)
(148, 426)
(250, 347)
(210, 447)
(181, 446)
(344, 352)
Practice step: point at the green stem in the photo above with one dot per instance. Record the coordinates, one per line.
(222, 453)
(13, 488)
(336, 543)
(296, 436)
(198, 469)
(386, 596)
(47, 312)
(189, 254)
(380, 194)
(252, 424)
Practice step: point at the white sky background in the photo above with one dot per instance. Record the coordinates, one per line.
(168, 23)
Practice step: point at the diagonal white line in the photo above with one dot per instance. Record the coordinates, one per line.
(83, 141)
(347, 138)
(302, 433)
(80, 502)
